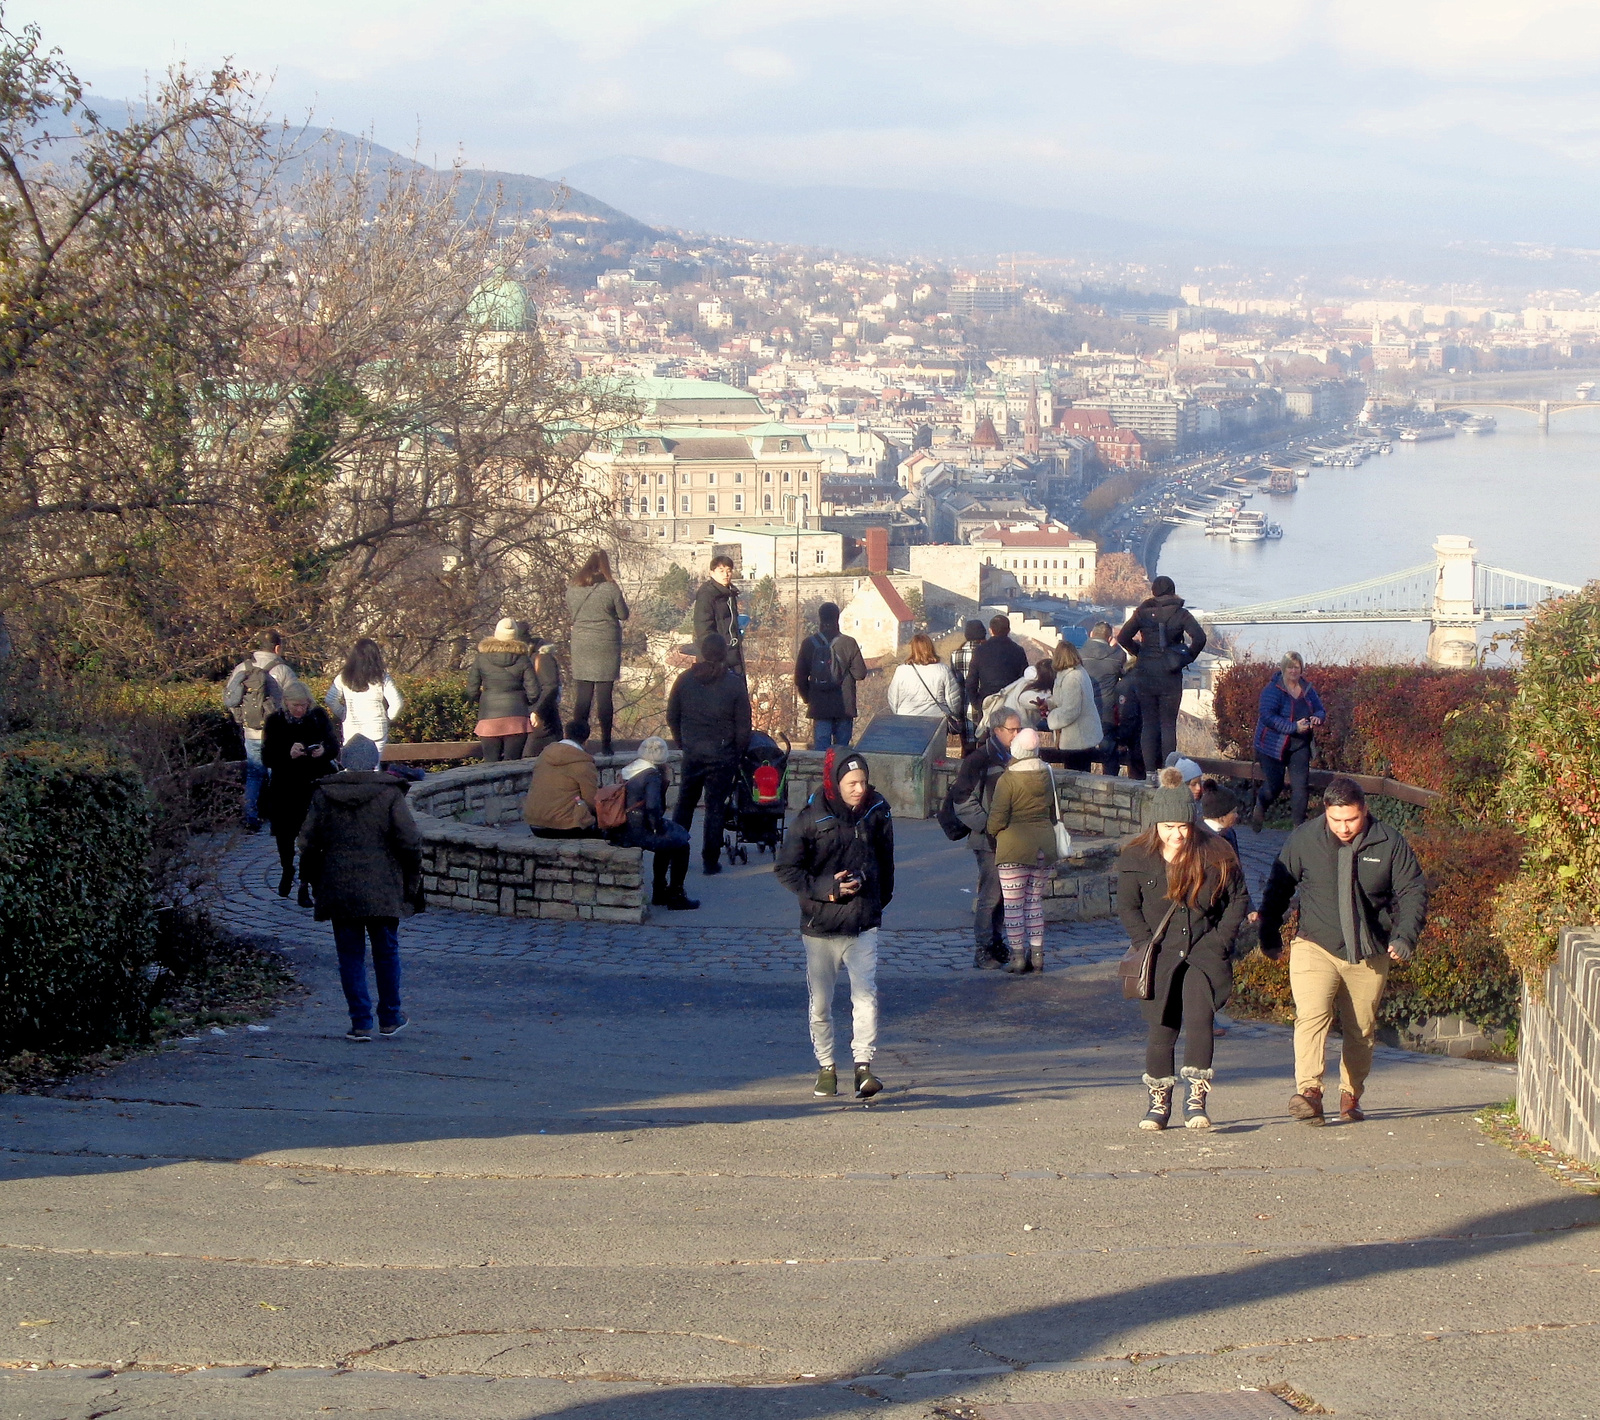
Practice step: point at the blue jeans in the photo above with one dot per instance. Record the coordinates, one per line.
(350, 935)
(826, 733)
(255, 779)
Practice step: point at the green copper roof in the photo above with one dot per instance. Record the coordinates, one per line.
(501, 304)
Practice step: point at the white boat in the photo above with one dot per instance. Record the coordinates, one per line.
(1386, 448)
(1249, 527)
(1220, 523)
(1585, 390)
(1421, 434)
(1303, 472)
(1480, 424)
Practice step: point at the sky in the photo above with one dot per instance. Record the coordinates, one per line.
(1271, 120)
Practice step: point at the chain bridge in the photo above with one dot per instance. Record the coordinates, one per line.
(1453, 593)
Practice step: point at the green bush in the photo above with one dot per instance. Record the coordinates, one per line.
(75, 910)
(436, 709)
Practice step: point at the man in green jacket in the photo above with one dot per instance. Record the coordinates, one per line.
(1363, 904)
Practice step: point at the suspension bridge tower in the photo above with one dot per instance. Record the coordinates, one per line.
(1453, 639)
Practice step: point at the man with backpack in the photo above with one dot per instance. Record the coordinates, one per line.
(254, 691)
(997, 664)
(1165, 637)
(825, 674)
(967, 807)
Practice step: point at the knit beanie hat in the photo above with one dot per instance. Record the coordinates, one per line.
(505, 630)
(1171, 802)
(1217, 804)
(654, 749)
(1025, 745)
(360, 754)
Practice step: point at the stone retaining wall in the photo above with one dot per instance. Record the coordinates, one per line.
(1558, 1065)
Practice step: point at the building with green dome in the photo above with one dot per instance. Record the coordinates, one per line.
(502, 303)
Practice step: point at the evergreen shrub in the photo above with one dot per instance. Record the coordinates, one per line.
(75, 912)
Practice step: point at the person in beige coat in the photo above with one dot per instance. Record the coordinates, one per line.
(560, 802)
(1072, 713)
(1022, 824)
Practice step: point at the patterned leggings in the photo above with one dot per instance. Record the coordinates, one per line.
(1022, 886)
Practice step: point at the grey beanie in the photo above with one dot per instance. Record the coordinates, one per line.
(360, 754)
(1171, 802)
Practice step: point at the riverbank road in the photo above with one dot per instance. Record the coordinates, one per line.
(591, 1181)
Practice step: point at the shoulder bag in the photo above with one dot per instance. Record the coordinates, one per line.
(1063, 834)
(1138, 965)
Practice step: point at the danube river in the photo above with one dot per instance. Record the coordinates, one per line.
(1530, 501)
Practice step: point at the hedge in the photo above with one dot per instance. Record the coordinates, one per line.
(75, 911)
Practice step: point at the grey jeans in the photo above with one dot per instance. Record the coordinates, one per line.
(858, 956)
(988, 912)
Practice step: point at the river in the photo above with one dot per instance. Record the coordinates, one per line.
(1530, 501)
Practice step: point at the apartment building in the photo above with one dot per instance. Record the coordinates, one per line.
(1046, 558)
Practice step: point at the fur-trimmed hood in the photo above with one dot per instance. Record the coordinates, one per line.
(492, 644)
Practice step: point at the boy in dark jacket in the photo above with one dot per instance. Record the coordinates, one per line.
(996, 663)
(708, 713)
(1363, 904)
(838, 859)
(1166, 638)
(716, 611)
(825, 674)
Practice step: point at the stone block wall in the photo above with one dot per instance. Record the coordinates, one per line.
(1558, 1065)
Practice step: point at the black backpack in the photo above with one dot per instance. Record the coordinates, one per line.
(252, 709)
(824, 670)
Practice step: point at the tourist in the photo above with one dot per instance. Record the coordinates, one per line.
(961, 668)
(598, 610)
(1193, 776)
(716, 611)
(1219, 811)
(1286, 721)
(254, 691)
(503, 685)
(1022, 824)
(560, 800)
(922, 686)
(1127, 740)
(1105, 663)
(825, 674)
(649, 828)
(1181, 888)
(363, 697)
(1074, 710)
(1166, 638)
(299, 746)
(362, 854)
(545, 710)
(997, 664)
(838, 859)
(1363, 904)
(708, 713)
(972, 796)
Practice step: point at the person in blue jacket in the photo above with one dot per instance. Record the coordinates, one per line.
(1289, 714)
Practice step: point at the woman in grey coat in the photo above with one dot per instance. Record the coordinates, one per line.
(598, 610)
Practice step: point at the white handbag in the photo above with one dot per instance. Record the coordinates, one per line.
(1063, 834)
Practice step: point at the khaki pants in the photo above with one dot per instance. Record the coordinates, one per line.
(1324, 985)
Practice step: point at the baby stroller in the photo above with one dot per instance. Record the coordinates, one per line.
(760, 799)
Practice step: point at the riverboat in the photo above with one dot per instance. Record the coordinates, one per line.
(1584, 391)
(1480, 424)
(1249, 527)
(1282, 481)
(1422, 433)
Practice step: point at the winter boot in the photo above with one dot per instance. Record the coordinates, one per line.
(827, 1082)
(867, 1084)
(1194, 1110)
(1307, 1106)
(1036, 958)
(984, 960)
(1350, 1111)
(1017, 962)
(304, 899)
(1160, 1110)
(286, 882)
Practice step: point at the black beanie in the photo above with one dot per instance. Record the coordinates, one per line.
(977, 631)
(1162, 587)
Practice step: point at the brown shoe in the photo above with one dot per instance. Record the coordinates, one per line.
(1349, 1108)
(1307, 1106)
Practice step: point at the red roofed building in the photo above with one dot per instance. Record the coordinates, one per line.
(1045, 559)
(1116, 447)
(878, 618)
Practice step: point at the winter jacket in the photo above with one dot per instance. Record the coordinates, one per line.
(295, 776)
(709, 721)
(360, 850)
(833, 702)
(716, 610)
(502, 680)
(1278, 712)
(996, 663)
(1022, 818)
(561, 793)
(1203, 936)
(924, 690)
(974, 787)
(545, 705)
(1125, 717)
(827, 838)
(1104, 662)
(1073, 713)
(598, 612)
(366, 712)
(280, 676)
(961, 666)
(1164, 637)
(648, 826)
(1392, 893)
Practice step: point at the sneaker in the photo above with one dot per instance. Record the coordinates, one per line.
(1350, 1111)
(1160, 1110)
(867, 1084)
(361, 1033)
(1258, 817)
(396, 1028)
(1307, 1107)
(827, 1082)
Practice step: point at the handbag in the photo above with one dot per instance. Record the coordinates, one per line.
(1063, 833)
(953, 724)
(1138, 965)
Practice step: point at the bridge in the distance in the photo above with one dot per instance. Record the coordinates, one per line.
(1544, 408)
(1453, 594)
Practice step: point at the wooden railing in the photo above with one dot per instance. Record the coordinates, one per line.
(1370, 783)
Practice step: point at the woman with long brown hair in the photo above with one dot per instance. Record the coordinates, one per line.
(1073, 715)
(1181, 887)
(598, 610)
(924, 686)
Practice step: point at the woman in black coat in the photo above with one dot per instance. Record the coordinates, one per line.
(299, 745)
(503, 682)
(1177, 873)
(649, 827)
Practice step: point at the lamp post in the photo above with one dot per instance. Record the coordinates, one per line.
(800, 509)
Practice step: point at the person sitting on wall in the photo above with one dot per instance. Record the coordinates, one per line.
(560, 802)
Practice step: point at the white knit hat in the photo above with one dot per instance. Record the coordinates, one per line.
(655, 749)
(505, 629)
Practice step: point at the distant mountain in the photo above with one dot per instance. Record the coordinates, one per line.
(877, 220)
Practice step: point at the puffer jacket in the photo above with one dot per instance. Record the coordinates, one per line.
(561, 794)
(827, 838)
(360, 850)
(1074, 716)
(648, 826)
(502, 680)
(716, 609)
(1164, 637)
(1022, 818)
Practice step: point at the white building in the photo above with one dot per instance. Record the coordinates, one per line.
(781, 550)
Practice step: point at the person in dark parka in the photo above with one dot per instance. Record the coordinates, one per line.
(996, 663)
(362, 854)
(1177, 867)
(1166, 638)
(716, 611)
(826, 670)
(503, 683)
(299, 746)
(545, 709)
(708, 713)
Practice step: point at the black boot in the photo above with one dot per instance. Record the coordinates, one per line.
(1160, 1110)
(286, 882)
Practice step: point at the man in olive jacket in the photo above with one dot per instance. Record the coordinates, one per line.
(1363, 904)
(361, 853)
